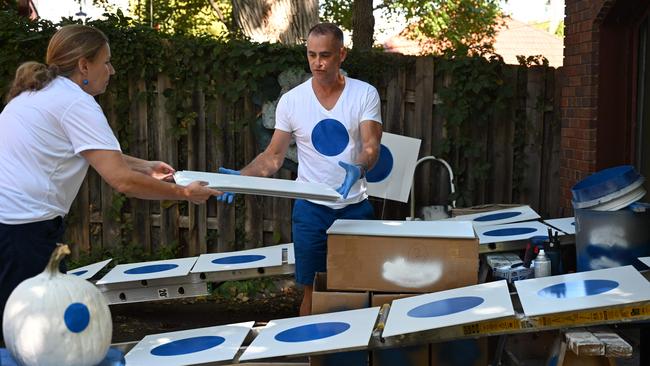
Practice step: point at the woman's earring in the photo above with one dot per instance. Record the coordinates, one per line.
(85, 81)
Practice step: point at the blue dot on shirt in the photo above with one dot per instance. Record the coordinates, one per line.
(237, 259)
(79, 273)
(498, 216)
(581, 288)
(311, 332)
(445, 307)
(153, 268)
(330, 137)
(510, 231)
(76, 317)
(383, 168)
(187, 345)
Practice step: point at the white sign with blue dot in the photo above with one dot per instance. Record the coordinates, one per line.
(645, 260)
(511, 232)
(90, 270)
(582, 291)
(190, 347)
(498, 217)
(565, 224)
(243, 259)
(447, 308)
(345, 330)
(149, 270)
(259, 185)
(392, 175)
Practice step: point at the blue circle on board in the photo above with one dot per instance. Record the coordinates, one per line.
(153, 268)
(79, 273)
(330, 137)
(187, 345)
(383, 167)
(76, 317)
(579, 288)
(510, 231)
(312, 332)
(573, 223)
(498, 216)
(237, 259)
(445, 307)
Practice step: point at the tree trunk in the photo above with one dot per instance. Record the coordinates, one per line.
(363, 25)
(284, 21)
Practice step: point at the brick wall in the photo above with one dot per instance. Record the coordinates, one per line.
(579, 93)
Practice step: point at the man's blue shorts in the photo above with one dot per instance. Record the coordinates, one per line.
(310, 222)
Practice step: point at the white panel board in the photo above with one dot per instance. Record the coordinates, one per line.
(511, 232)
(189, 347)
(148, 270)
(259, 185)
(392, 176)
(90, 270)
(345, 330)
(426, 229)
(451, 307)
(645, 260)
(582, 291)
(565, 224)
(498, 217)
(243, 259)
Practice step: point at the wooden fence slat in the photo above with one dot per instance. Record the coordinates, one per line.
(502, 130)
(139, 147)
(78, 232)
(550, 174)
(425, 80)
(111, 230)
(225, 156)
(196, 161)
(253, 222)
(533, 137)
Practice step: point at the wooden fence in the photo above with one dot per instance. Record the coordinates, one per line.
(222, 135)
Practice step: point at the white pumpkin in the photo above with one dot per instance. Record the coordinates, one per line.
(57, 319)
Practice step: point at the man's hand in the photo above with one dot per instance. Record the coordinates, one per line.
(352, 175)
(227, 196)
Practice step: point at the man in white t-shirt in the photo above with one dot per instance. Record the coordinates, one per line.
(336, 122)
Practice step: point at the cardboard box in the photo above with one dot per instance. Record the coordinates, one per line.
(324, 301)
(401, 256)
(403, 356)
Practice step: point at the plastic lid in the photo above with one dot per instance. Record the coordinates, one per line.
(605, 185)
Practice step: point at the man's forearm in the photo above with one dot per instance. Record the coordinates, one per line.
(263, 165)
(136, 164)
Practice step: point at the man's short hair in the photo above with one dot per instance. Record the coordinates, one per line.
(323, 29)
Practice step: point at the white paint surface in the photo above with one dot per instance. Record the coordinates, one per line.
(633, 287)
(259, 185)
(496, 304)
(540, 230)
(525, 214)
(272, 258)
(412, 274)
(234, 335)
(424, 229)
(90, 269)
(645, 260)
(566, 224)
(397, 185)
(117, 274)
(361, 323)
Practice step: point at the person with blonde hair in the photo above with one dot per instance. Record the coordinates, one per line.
(51, 130)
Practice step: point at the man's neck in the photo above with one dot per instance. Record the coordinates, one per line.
(329, 87)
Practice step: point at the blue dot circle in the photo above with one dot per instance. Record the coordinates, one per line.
(445, 307)
(237, 259)
(330, 137)
(384, 166)
(498, 216)
(153, 268)
(79, 273)
(76, 317)
(510, 231)
(581, 288)
(187, 345)
(311, 332)
(573, 223)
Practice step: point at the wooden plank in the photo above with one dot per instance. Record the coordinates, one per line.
(533, 137)
(502, 133)
(167, 151)
(139, 147)
(422, 123)
(253, 204)
(440, 176)
(394, 100)
(225, 157)
(615, 346)
(109, 197)
(212, 131)
(77, 231)
(584, 343)
(196, 161)
(550, 194)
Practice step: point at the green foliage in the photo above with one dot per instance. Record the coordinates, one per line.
(125, 253)
(243, 290)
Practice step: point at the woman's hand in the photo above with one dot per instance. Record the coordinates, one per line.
(160, 171)
(197, 192)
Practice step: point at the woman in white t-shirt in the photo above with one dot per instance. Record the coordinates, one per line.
(50, 131)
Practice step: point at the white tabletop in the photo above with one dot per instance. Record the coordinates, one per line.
(149, 270)
(424, 229)
(498, 217)
(645, 260)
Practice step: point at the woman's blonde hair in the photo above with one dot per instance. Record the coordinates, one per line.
(67, 46)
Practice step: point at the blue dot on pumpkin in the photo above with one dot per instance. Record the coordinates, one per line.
(445, 307)
(237, 259)
(79, 273)
(498, 216)
(510, 231)
(581, 288)
(312, 332)
(76, 317)
(383, 168)
(153, 268)
(330, 137)
(187, 346)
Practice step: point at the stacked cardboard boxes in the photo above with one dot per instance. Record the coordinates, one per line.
(374, 262)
